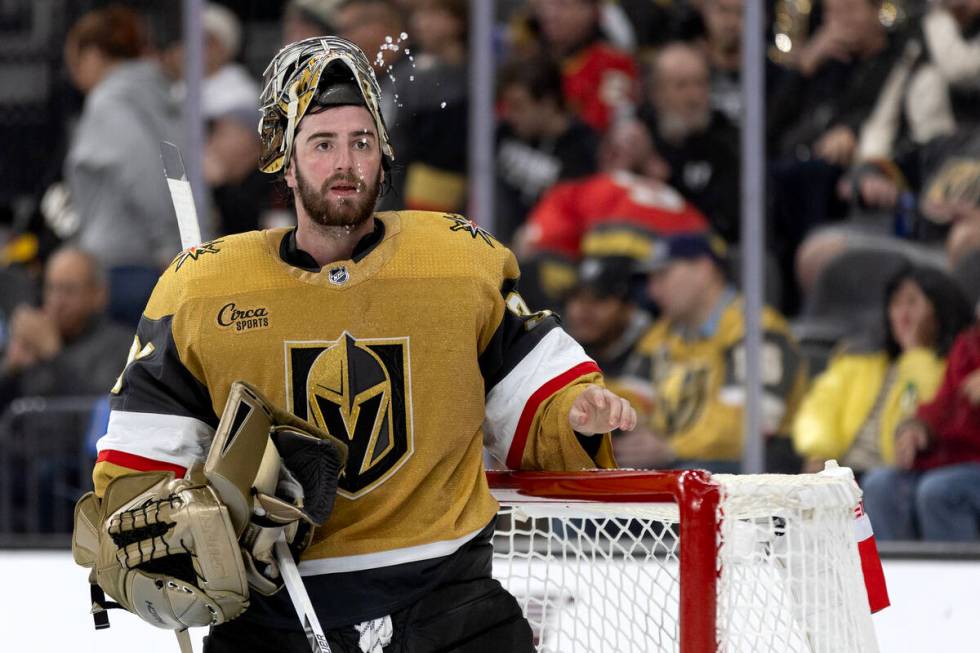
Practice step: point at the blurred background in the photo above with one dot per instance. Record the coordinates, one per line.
(771, 246)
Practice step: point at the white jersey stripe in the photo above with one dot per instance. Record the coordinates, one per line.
(384, 558)
(554, 355)
(168, 438)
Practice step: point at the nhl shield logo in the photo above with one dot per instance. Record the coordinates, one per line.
(339, 275)
(356, 390)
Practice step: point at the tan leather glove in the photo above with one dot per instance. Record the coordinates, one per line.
(164, 548)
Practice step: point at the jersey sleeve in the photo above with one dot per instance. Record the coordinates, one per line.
(532, 372)
(161, 415)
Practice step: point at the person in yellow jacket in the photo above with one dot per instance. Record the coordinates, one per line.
(686, 377)
(853, 408)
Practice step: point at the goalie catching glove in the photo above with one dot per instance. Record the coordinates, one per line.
(183, 552)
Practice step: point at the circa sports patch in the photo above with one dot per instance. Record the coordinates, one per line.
(239, 318)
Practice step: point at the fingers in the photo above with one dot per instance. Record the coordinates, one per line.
(627, 421)
(578, 417)
(921, 437)
(598, 410)
(615, 410)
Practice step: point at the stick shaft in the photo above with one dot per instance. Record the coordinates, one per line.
(299, 597)
(181, 195)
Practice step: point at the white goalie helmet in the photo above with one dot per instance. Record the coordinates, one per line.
(318, 71)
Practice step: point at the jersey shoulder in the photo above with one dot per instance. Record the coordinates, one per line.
(732, 325)
(222, 265)
(452, 245)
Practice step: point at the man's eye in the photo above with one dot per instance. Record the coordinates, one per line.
(361, 145)
(323, 145)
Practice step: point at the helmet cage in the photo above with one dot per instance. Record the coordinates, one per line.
(292, 81)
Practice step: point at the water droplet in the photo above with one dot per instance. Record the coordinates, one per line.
(442, 106)
(388, 39)
(411, 78)
(403, 36)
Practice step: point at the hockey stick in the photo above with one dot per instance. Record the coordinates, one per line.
(180, 195)
(299, 597)
(190, 235)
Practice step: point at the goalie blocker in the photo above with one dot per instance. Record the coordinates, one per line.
(183, 552)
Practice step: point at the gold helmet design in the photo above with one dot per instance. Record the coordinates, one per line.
(324, 71)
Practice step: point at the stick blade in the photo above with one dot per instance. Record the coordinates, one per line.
(173, 164)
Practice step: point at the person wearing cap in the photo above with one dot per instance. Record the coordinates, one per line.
(687, 376)
(398, 336)
(601, 314)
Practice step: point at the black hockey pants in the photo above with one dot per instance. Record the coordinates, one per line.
(473, 616)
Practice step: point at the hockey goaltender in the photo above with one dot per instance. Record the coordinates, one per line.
(393, 348)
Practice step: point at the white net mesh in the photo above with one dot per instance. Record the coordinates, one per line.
(606, 576)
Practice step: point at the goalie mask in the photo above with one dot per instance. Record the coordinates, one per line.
(322, 71)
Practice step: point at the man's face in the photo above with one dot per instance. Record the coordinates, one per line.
(566, 23)
(335, 171)
(682, 92)
(853, 20)
(71, 294)
(723, 20)
(677, 288)
(521, 112)
(596, 321)
(84, 65)
(432, 27)
(366, 26)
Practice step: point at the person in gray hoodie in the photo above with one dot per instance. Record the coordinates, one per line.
(113, 169)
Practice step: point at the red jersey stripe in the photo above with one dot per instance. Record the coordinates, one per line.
(139, 463)
(516, 452)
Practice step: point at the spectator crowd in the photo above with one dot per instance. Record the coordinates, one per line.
(617, 156)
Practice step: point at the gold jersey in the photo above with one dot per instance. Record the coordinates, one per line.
(689, 387)
(417, 352)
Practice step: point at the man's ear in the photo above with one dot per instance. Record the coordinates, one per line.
(289, 174)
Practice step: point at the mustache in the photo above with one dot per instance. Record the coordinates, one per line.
(347, 179)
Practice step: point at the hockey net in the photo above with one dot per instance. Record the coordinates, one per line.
(683, 561)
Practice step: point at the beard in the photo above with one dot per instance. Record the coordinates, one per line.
(675, 127)
(348, 212)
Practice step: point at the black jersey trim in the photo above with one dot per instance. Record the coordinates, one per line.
(290, 252)
(159, 382)
(511, 343)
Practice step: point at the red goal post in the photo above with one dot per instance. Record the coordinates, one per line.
(683, 561)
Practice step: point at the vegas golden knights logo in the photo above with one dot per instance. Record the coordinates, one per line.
(356, 390)
(681, 391)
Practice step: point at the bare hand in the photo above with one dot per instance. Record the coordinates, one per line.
(598, 410)
(36, 330)
(878, 191)
(836, 146)
(642, 449)
(971, 387)
(910, 438)
(949, 210)
(829, 42)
